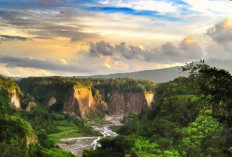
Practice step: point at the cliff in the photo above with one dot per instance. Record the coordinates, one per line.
(14, 98)
(10, 93)
(82, 103)
(119, 102)
(84, 97)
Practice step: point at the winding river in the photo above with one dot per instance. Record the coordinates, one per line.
(77, 145)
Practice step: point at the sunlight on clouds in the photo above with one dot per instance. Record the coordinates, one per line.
(141, 47)
(26, 72)
(63, 61)
(107, 62)
(38, 48)
(107, 65)
(45, 72)
(227, 23)
(190, 40)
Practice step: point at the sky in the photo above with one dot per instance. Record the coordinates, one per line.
(88, 37)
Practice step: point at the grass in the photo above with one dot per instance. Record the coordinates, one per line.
(69, 132)
(97, 121)
(115, 128)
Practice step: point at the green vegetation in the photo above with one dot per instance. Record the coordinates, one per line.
(18, 137)
(67, 132)
(98, 118)
(191, 117)
(43, 88)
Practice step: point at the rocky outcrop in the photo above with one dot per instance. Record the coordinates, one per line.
(119, 103)
(30, 106)
(82, 103)
(14, 99)
(150, 98)
(31, 138)
(52, 101)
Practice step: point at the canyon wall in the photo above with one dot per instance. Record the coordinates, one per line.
(82, 103)
(86, 97)
(119, 102)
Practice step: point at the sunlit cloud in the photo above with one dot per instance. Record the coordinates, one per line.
(63, 61)
(57, 37)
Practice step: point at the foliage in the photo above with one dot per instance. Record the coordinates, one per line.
(191, 117)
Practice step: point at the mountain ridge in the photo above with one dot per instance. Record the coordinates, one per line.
(156, 75)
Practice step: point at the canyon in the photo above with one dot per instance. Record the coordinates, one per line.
(84, 101)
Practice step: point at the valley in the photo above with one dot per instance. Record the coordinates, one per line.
(77, 145)
(67, 116)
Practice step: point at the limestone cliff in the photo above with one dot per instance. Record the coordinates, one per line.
(119, 102)
(82, 103)
(83, 97)
(14, 98)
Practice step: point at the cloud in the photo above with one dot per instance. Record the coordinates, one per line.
(149, 5)
(63, 61)
(187, 50)
(101, 48)
(10, 61)
(9, 37)
(45, 24)
(222, 33)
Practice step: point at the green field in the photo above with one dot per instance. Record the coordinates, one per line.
(69, 132)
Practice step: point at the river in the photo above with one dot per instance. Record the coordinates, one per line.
(77, 145)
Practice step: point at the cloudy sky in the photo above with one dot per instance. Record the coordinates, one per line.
(86, 37)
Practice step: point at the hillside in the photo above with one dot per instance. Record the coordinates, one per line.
(159, 75)
(191, 117)
(85, 97)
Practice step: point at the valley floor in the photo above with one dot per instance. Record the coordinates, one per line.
(77, 145)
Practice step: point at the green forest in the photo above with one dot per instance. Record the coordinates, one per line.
(191, 117)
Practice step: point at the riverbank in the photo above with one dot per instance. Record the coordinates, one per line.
(77, 145)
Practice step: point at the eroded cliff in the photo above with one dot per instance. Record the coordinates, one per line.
(84, 97)
(119, 102)
(14, 98)
(82, 103)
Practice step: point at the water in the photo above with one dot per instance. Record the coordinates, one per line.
(77, 145)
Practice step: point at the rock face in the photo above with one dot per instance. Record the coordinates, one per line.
(82, 103)
(52, 101)
(119, 103)
(31, 138)
(30, 106)
(14, 99)
(150, 98)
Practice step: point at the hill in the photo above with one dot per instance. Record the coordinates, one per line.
(157, 75)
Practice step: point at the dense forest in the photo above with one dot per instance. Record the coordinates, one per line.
(35, 133)
(191, 117)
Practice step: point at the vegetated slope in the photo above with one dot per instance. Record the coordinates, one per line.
(157, 75)
(18, 137)
(190, 117)
(84, 97)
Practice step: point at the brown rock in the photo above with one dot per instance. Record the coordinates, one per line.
(82, 103)
(30, 106)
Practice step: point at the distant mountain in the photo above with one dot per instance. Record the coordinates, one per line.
(157, 75)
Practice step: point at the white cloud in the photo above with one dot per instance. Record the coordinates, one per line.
(210, 7)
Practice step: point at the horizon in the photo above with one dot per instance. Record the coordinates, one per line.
(85, 38)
